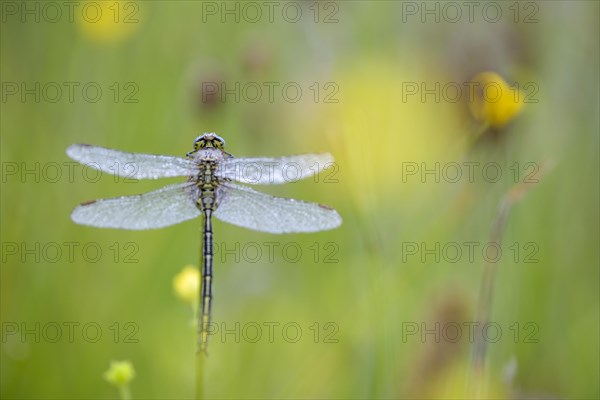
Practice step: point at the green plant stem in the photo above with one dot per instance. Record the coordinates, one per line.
(478, 133)
(124, 392)
(478, 355)
(476, 384)
(200, 362)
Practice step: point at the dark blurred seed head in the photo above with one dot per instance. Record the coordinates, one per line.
(451, 308)
(208, 91)
(256, 59)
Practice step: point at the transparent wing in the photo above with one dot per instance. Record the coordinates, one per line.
(131, 165)
(245, 207)
(269, 171)
(167, 206)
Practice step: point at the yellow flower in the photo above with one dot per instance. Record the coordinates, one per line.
(120, 373)
(492, 101)
(187, 283)
(108, 21)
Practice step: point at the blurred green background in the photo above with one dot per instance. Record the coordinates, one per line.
(355, 292)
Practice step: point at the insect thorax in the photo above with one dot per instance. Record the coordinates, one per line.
(207, 180)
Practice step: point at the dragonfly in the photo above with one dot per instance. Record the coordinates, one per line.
(211, 189)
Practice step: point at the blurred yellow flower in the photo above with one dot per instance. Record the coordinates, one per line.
(456, 382)
(492, 101)
(120, 373)
(376, 130)
(108, 21)
(187, 284)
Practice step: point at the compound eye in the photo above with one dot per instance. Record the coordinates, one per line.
(219, 141)
(198, 143)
